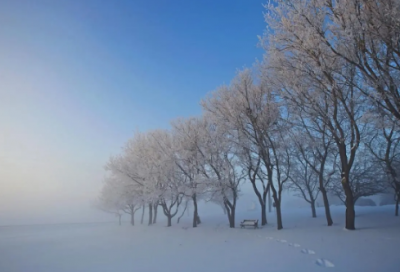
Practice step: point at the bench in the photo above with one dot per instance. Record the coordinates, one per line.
(250, 223)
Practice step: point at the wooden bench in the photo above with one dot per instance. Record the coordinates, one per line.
(249, 223)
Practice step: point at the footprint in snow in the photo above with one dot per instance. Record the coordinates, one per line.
(324, 263)
(294, 245)
(308, 251)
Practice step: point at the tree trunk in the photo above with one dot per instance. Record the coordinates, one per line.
(313, 211)
(195, 215)
(397, 205)
(326, 205)
(269, 200)
(169, 221)
(230, 210)
(143, 209)
(155, 213)
(150, 214)
(183, 213)
(277, 202)
(132, 216)
(198, 219)
(232, 220)
(262, 199)
(278, 215)
(263, 214)
(350, 212)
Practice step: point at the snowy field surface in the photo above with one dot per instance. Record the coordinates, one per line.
(305, 244)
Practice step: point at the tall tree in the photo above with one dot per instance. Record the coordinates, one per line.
(310, 74)
(250, 112)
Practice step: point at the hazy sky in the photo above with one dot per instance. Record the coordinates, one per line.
(78, 77)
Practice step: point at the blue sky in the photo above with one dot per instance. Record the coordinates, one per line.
(77, 78)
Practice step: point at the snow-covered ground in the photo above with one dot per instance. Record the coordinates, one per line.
(305, 244)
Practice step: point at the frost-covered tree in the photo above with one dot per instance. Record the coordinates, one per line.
(250, 112)
(313, 144)
(317, 79)
(109, 200)
(188, 159)
(221, 168)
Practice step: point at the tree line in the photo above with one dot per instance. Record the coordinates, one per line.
(318, 115)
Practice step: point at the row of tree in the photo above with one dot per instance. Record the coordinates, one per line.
(320, 114)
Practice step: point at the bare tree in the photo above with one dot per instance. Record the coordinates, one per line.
(366, 179)
(304, 180)
(384, 145)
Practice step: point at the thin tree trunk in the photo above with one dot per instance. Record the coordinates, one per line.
(269, 200)
(169, 221)
(143, 209)
(313, 211)
(326, 205)
(183, 213)
(397, 205)
(150, 214)
(262, 199)
(155, 213)
(195, 215)
(277, 201)
(350, 212)
(131, 207)
(278, 215)
(132, 216)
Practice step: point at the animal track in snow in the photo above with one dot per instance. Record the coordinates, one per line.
(294, 245)
(324, 263)
(308, 251)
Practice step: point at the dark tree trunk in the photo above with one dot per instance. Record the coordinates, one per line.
(232, 220)
(198, 219)
(279, 224)
(350, 212)
(230, 210)
(150, 214)
(326, 205)
(195, 215)
(350, 217)
(143, 209)
(155, 213)
(269, 200)
(277, 202)
(169, 221)
(397, 205)
(313, 211)
(263, 214)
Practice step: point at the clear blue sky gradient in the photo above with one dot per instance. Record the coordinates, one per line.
(78, 77)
